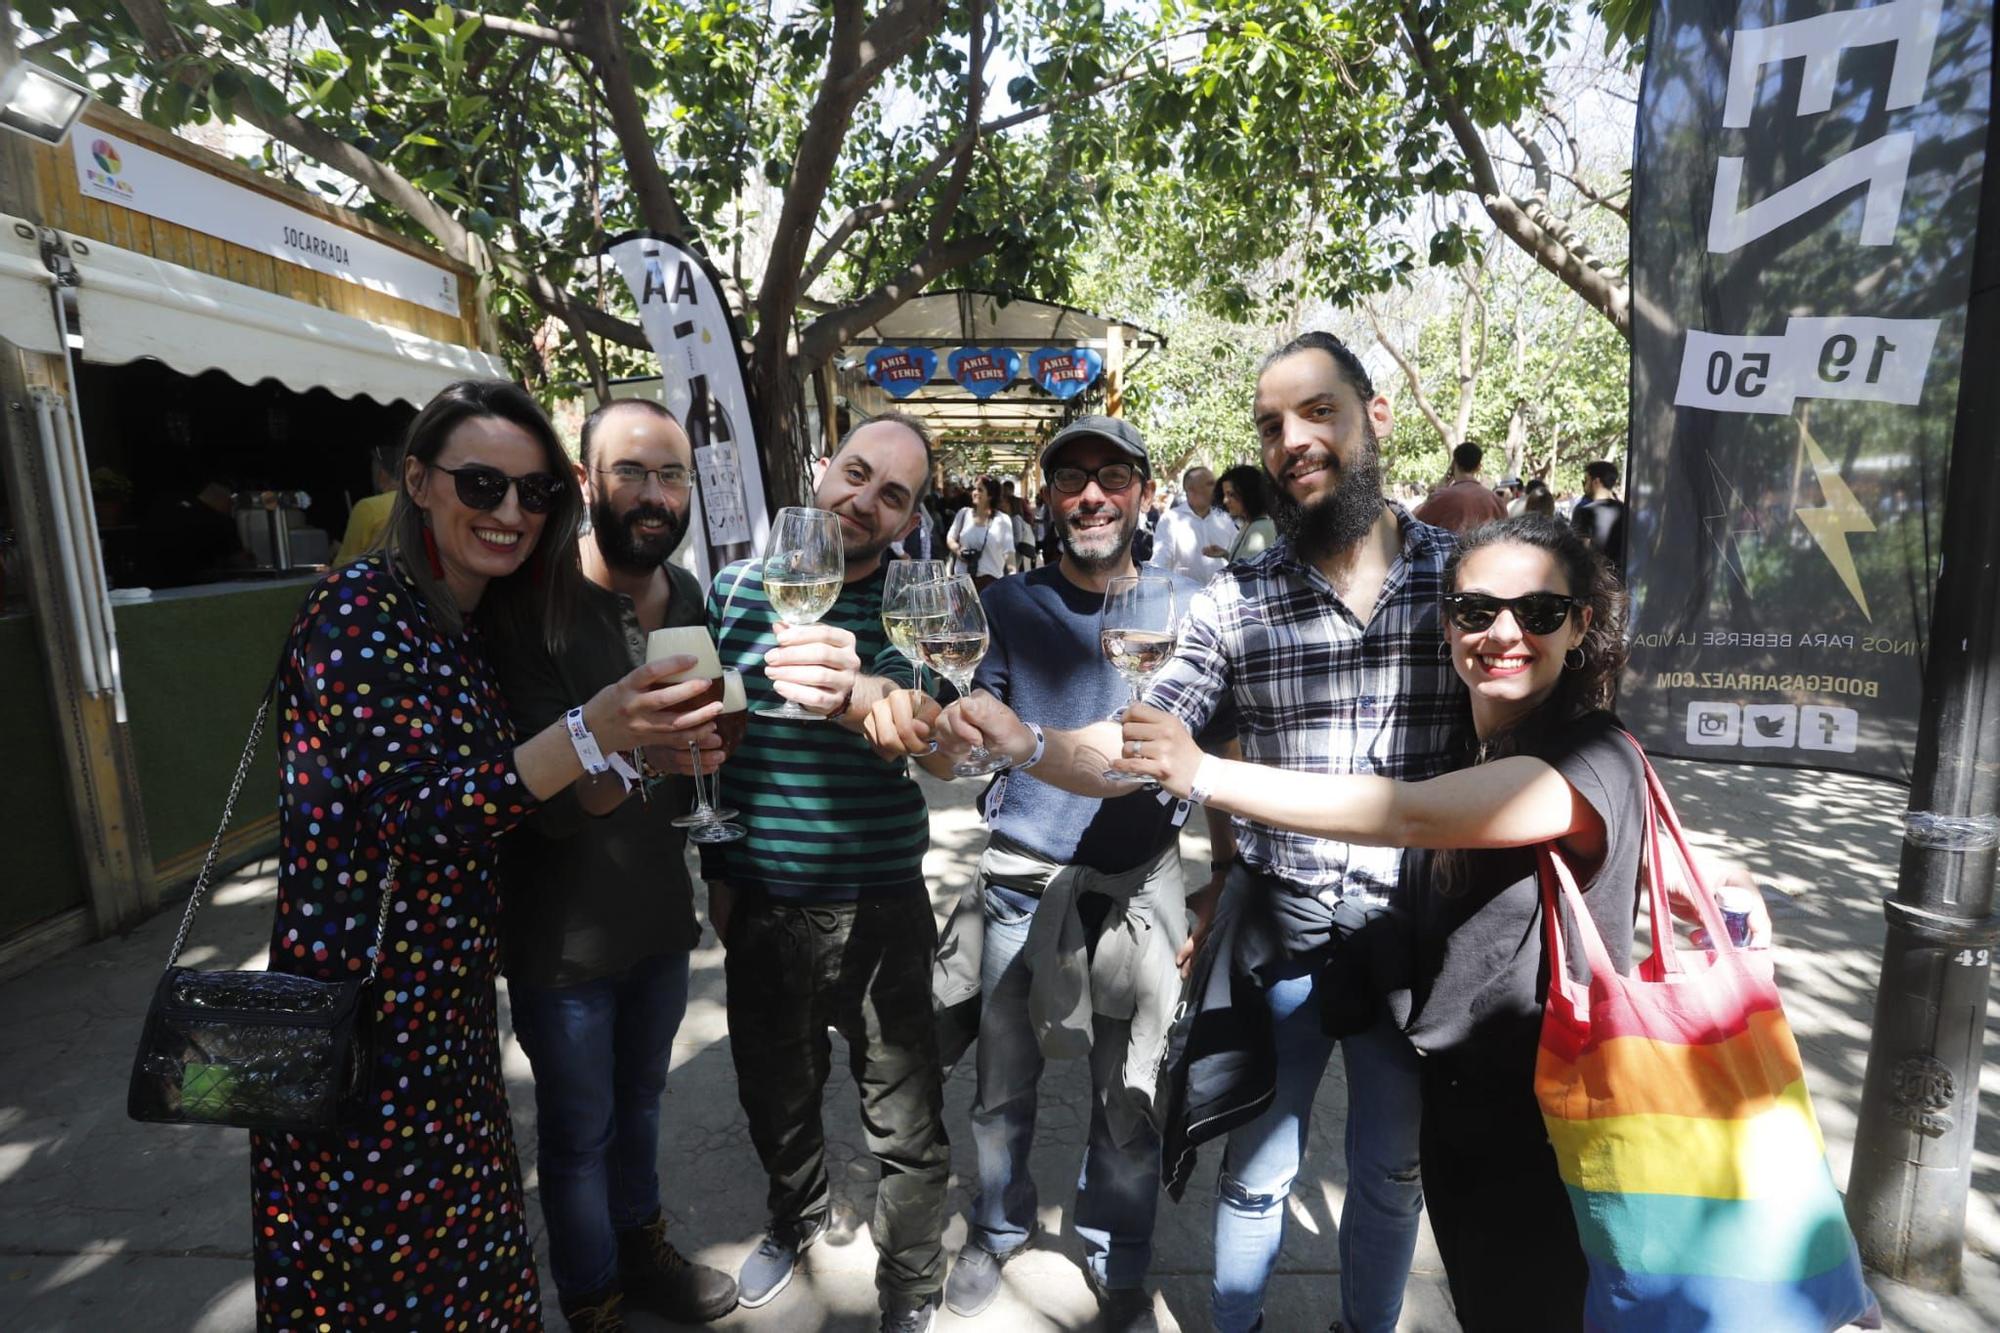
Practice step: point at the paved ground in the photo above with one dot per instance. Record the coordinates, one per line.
(107, 1225)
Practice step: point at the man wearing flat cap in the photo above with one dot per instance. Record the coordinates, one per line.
(1066, 945)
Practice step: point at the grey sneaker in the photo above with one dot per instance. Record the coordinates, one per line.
(770, 1266)
(974, 1280)
(909, 1314)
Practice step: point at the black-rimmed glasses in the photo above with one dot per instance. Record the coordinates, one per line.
(673, 477)
(482, 487)
(1111, 478)
(1534, 612)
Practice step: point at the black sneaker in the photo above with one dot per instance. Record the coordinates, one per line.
(596, 1314)
(974, 1280)
(1125, 1309)
(909, 1314)
(659, 1279)
(769, 1268)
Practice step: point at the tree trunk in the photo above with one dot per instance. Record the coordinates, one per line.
(779, 408)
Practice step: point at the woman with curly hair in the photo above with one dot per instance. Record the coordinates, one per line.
(1533, 624)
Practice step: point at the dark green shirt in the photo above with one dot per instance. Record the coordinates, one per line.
(588, 897)
(828, 821)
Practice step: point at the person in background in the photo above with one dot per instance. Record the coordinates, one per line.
(1512, 495)
(1538, 500)
(400, 766)
(1600, 516)
(369, 518)
(982, 535)
(1194, 537)
(1463, 502)
(823, 907)
(1024, 533)
(193, 539)
(1243, 498)
(600, 910)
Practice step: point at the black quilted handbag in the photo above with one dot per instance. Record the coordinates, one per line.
(258, 1050)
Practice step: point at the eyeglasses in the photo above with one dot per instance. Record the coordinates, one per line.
(673, 477)
(1535, 612)
(482, 487)
(1111, 478)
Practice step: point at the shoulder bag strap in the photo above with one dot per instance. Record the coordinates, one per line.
(229, 817)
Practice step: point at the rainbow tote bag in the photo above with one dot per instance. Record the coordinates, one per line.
(1676, 1103)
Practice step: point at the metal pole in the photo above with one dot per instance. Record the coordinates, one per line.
(1913, 1147)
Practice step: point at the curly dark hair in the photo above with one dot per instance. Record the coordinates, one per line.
(1248, 479)
(1593, 685)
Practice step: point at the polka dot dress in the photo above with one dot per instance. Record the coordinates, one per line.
(395, 742)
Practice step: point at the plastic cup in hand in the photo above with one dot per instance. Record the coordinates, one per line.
(804, 568)
(1136, 632)
(953, 646)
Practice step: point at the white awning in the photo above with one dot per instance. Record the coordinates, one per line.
(27, 315)
(132, 305)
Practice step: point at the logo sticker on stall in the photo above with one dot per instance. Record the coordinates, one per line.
(901, 371)
(983, 372)
(1066, 371)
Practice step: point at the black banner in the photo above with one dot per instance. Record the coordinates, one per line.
(1806, 204)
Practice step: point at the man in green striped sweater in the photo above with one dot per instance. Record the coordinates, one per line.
(823, 906)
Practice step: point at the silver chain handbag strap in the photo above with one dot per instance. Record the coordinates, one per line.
(229, 817)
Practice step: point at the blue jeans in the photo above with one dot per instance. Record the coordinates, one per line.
(1385, 1199)
(599, 1052)
(1118, 1188)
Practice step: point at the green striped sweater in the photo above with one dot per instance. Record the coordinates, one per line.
(827, 820)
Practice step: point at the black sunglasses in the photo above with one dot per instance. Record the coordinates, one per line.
(1535, 612)
(482, 487)
(1111, 478)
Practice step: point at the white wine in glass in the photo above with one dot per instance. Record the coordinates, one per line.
(804, 568)
(1136, 631)
(953, 647)
(912, 600)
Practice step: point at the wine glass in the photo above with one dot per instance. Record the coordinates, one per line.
(952, 644)
(904, 614)
(804, 567)
(1136, 633)
(707, 822)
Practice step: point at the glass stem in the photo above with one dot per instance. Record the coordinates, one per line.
(701, 806)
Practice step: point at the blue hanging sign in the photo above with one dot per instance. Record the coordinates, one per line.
(1066, 371)
(902, 370)
(984, 371)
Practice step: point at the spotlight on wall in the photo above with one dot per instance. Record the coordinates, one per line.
(39, 104)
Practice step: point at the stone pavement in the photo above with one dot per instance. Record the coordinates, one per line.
(107, 1225)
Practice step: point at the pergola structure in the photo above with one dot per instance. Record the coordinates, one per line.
(1006, 429)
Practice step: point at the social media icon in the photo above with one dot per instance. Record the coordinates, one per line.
(1770, 726)
(1822, 727)
(1714, 724)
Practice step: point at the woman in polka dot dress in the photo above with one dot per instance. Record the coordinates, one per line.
(396, 745)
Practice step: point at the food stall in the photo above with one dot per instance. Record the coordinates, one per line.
(199, 363)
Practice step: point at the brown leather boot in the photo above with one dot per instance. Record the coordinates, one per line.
(662, 1281)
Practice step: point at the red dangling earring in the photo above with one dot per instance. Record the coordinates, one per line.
(431, 553)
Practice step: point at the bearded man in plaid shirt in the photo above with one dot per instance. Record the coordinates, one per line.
(1327, 654)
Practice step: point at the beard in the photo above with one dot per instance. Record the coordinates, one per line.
(1335, 520)
(1102, 548)
(629, 550)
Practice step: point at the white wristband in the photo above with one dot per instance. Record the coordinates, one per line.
(1203, 785)
(1041, 747)
(587, 753)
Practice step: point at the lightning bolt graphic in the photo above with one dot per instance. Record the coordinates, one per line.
(1830, 523)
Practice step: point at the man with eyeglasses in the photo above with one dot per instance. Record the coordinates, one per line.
(1327, 653)
(1104, 872)
(600, 910)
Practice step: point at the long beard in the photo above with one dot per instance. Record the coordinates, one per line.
(624, 547)
(1338, 519)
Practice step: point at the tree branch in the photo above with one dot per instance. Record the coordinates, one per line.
(1516, 221)
(830, 332)
(658, 208)
(1410, 376)
(384, 182)
(954, 189)
(562, 36)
